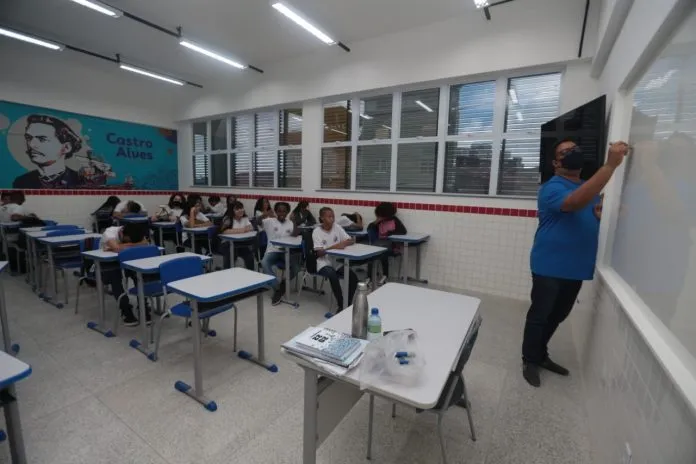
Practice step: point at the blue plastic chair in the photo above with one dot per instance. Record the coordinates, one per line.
(184, 268)
(64, 258)
(152, 289)
(88, 275)
(49, 223)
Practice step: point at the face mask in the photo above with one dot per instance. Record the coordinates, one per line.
(176, 204)
(573, 159)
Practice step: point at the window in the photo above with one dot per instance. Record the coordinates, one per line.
(471, 108)
(468, 167)
(416, 167)
(374, 167)
(335, 168)
(261, 149)
(376, 118)
(531, 101)
(336, 153)
(419, 113)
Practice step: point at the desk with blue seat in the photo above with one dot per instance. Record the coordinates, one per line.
(233, 284)
(32, 234)
(409, 241)
(246, 237)
(288, 244)
(355, 252)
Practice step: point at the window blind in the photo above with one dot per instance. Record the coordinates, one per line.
(519, 167)
(471, 108)
(200, 169)
(468, 167)
(200, 137)
(415, 166)
(218, 169)
(532, 101)
(264, 130)
(374, 167)
(290, 127)
(264, 168)
(335, 168)
(242, 129)
(218, 134)
(376, 117)
(419, 113)
(239, 169)
(290, 168)
(338, 122)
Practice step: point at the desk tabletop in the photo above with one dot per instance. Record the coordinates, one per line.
(134, 219)
(357, 251)
(31, 229)
(441, 320)
(43, 233)
(62, 239)
(219, 285)
(287, 242)
(150, 265)
(410, 238)
(163, 224)
(11, 224)
(12, 370)
(356, 233)
(105, 256)
(3, 265)
(238, 237)
(198, 230)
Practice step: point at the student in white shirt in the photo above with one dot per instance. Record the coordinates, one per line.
(278, 227)
(236, 222)
(215, 205)
(169, 213)
(262, 210)
(4, 198)
(117, 239)
(195, 218)
(128, 207)
(14, 210)
(331, 236)
(352, 221)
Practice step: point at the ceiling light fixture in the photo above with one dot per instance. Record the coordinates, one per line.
(300, 21)
(211, 54)
(100, 8)
(366, 116)
(424, 106)
(32, 40)
(481, 3)
(150, 74)
(513, 96)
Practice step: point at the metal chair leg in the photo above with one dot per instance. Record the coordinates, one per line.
(234, 343)
(158, 334)
(369, 427)
(465, 397)
(441, 435)
(77, 293)
(64, 276)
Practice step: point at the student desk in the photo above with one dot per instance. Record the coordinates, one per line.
(237, 283)
(441, 320)
(7, 340)
(13, 370)
(193, 231)
(356, 252)
(149, 266)
(288, 244)
(31, 234)
(237, 238)
(411, 240)
(133, 219)
(161, 226)
(4, 228)
(56, 242)
(358, 234)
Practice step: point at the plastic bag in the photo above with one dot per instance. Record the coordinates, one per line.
(393, 358)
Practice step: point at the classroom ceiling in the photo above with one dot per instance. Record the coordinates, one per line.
(249, 30)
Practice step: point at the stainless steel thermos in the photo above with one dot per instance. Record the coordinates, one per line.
(360, 312)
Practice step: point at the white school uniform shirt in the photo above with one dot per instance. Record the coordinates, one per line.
(275, 230)
(344, 221)
(241, 223)
(121, 207)
(326, 238)
(174, 211)
(110, 233)
(220, 208)
(184, 219)
(9, 210)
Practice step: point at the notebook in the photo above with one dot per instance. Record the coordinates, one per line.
(328, 345)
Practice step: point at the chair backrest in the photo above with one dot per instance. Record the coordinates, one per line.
(61, 227)
(138, 252)
(63, 232)
(90, 244)
(49, 222)
(180, 268)
(372, 234)
(263, 238)
(132, 216)
(308, 253)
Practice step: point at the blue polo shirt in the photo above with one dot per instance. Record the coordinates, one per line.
(565, 243)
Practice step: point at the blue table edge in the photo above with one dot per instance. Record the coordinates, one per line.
(221, 296)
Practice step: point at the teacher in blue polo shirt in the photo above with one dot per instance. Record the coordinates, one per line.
(564, 250)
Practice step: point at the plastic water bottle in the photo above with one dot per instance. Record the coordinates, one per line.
(374, 325)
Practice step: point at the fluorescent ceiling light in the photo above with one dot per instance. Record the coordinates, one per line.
(100, 8)
(151, 74)
(519, 116)
(424, 106)
(366, 116)
(481, 3)
(300, 21)
(211, 54)
(337, 131)
(32, 40)
(513, 96)
(386, 127)
(296, 118)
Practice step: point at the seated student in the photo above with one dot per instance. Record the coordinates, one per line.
(103, 214)
(352, 221)
(194, 217)
(215, 206)
(385, 224)
(331, 236)
(236, 222)
(262, 210)
(14, 210)
(4, 198)
(302, 216)
(129, 207)
(171, 212)
(278, 227)
(117, 239)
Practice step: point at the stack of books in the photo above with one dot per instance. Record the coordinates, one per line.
(327, 345)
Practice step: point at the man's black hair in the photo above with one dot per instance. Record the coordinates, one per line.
(281, 203)
(559, 143)
(17, 197)
(133, 207)
(64, 133)
(174, 195)
(134, 231)
(385, 210)
(214, 198)
(324, 209)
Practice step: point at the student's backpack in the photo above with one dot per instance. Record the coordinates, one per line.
(310, 256)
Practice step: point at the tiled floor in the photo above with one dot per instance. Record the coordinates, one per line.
(95, 400)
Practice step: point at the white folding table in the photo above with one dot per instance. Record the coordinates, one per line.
(55, 242)
(13, 370)
(237, 283)
(411, 240)
(355, 252)
(441, 320)
(288, 244)
(149, 266)
(237, 238)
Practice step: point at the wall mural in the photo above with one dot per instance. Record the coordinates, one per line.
(42, 148)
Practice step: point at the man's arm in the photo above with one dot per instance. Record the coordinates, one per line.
(115, 246)
(586, 193)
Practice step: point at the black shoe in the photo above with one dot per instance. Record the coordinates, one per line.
(555, 368)
(129, 319)
(148, 317)
(530, 372)
(277, 297)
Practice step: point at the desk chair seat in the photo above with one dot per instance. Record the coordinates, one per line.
(454, 393)
(184, 268)
(152, 289)
(64, 258)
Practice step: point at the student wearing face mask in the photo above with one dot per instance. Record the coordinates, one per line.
(564, 249)
(171, 212)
